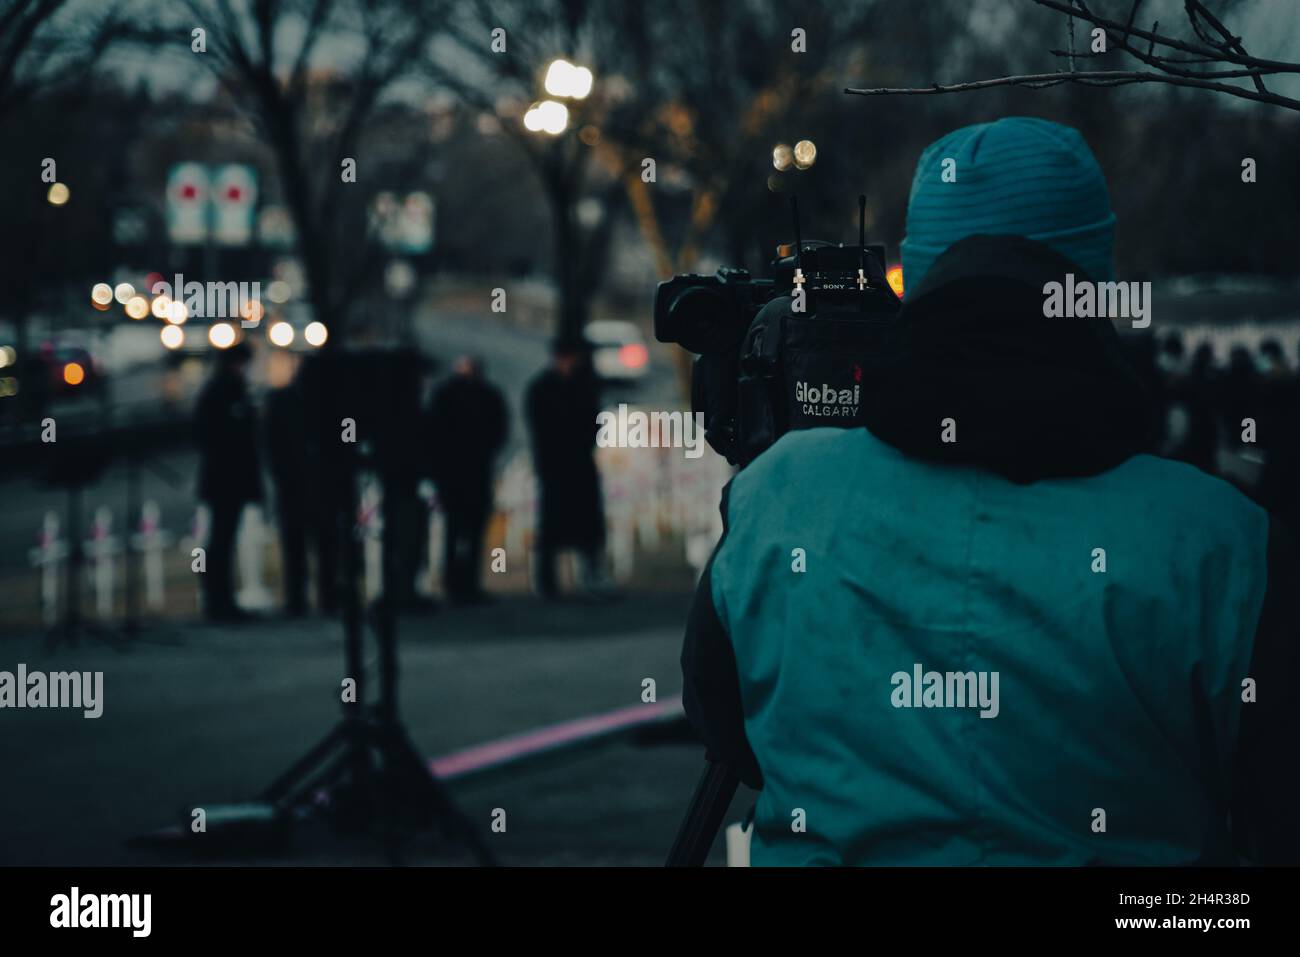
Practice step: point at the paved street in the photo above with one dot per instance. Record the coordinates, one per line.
(199, 714)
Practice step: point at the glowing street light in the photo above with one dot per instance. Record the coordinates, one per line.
(805, 153)
(173, 337)
(782, 157)
(123, 291)
(548, 116)
(58, 194)
(567, 80)
(101, 294)
(161, 305)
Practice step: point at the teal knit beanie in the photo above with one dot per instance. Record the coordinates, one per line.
(1017, 176)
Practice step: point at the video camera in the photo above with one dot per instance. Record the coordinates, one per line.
(789, 352)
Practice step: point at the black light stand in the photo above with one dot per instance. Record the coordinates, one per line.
(366, 767)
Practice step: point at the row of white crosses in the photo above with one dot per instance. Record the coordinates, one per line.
(101, 550)
(680, 494)
(150, 542)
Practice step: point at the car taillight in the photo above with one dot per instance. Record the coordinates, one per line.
(633, 355)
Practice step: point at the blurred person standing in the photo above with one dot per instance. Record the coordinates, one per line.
(1196, 396)
(465, 429)
(299, 499)
(1279, 434)
(225, 428)
(561, 406)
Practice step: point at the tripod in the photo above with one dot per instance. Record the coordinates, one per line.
(367, 765)
(699, 828)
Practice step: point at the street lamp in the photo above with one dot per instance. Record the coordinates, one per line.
(548, 116)
(567, 80)
(802, 156)
(805, 153)
(563, 81)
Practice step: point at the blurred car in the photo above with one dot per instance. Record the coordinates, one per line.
(618, 350)
(70, 370)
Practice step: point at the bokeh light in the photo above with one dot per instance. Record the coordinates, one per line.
(547, 116)
(173, 337)
(177, 312)
(222, 335)
(315, 333)
(280, 333)
(568, 80)
(894, 276)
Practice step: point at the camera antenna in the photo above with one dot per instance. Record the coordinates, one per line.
(799, 278)
(862, 250)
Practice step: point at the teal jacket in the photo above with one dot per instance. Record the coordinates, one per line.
(1118, 613)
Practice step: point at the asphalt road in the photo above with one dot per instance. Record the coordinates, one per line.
(202, 715)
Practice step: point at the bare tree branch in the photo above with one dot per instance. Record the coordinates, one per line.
(1087, 78)
(1228, 51)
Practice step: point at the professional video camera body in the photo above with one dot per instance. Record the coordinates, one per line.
(789, 352)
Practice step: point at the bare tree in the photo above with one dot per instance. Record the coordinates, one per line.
(493, 57)
(1215, 55)
(44, 46)
(311, 75)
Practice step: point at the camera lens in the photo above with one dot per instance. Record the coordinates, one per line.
(704, 320)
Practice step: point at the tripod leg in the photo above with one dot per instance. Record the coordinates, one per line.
(703, 818)
(284, 784)
(431, 793)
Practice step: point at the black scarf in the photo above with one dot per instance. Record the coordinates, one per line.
(1032, 397)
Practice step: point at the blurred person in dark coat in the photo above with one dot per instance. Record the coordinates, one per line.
(466, 428)
(400, 461)
(303, 512)
(1279, 434)
(1197, 396)
(561, 405)
(230, 477)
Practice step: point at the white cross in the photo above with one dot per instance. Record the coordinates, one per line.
(798, 276)
(862, 279)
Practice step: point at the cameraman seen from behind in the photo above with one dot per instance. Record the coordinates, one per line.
(1008, 621)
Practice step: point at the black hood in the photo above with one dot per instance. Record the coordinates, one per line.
(1032, 397)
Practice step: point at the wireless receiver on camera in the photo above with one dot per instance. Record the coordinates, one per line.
(787, 352)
